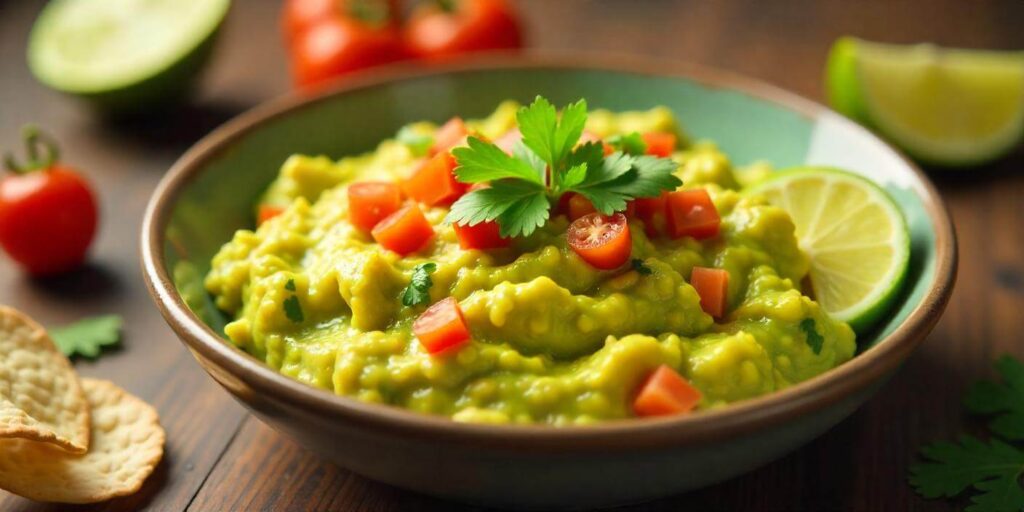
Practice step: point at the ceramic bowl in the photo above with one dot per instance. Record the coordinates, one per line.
(209, 194)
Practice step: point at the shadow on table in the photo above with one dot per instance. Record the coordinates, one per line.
(171, 129)
(85, 283)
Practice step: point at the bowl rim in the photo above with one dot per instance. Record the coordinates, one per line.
(740, 418)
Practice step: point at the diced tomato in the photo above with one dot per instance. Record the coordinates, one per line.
(267, 212)
(712, 284)
(665, 392)
(434, 182)
(404, 231)
(651, 210)
(579, 206)
(441, 327)
(370, 201)
(509, 140)
(602, 241)
(660, 144)
(485, 235)
(449, 135)
(691, 213)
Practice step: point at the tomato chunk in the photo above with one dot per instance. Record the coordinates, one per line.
(485, 235)
(434, 182)
(441, 327)
(651, 210)
(660, 144)
(449, 135)
(602, 241)
(691, 213)
(404, 231)
(267, 212)
(712, 284)
(665, 392)
(369, 202)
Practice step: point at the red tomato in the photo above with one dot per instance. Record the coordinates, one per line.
(299, 15)
(434, 182)
(691, 213)
(712, 284)
(434, 32)
(579, 206)
(441, 327)
(485, 235)
(602, 241)
(267, 212)
(369, 202)
(449, 135)
(338, 45)
(651, 210)
(665, 392)
(405, 231)
(660, 143)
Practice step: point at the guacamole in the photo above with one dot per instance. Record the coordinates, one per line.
(554, 340)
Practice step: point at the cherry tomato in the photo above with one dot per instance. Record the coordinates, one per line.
(335, 45)
(441, 327)
(369, 202)
(691, 213)
(665, 392)
(48, 212)
(602, 241)
(445, 28)
(579, 206)
(485, 235)
(434, 182)
(660, 144)
(449, 135)
(405, 231)
(267, 212)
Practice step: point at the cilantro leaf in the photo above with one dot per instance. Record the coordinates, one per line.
(524, 216)
(88, 337)
(483, 161)
(491, 202)
(992, 469)
(548, 136)
(814, 340)
(631, 143)
(418, 291)
(574, 176)
(1005, 400)
(653, 175)
(520, 151)
(293, 309)
(640, 267)
(290, 285)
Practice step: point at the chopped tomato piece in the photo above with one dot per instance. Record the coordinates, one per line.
(712, 284)
(651, 210)
(691, 213)
(370, 201)
(660, 143)
(485, 235)
(449, 135)
(441, 327)
(267, 212)
(579, 206)
(404, 231)
(434, 182)
(665, 392)
(509, 140)
(602, 241)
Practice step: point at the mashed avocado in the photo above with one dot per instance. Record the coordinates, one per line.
(554, 340)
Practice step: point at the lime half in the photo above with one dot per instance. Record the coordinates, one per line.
(855, 236)
(943, 106)
(123, 54)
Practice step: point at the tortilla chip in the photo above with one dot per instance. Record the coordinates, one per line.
(40, 396)
(127, 443)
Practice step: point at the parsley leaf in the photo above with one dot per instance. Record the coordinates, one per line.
(1005, 400)
(631, 143)
(640, 267)
(992, 469)
(293, 309)
(88, 337)
(483, 161)
(418, 291)
(814, 340)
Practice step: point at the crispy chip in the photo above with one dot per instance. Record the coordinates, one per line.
(127, 443)
(40, 396)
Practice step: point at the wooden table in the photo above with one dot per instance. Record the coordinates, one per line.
(220, 458)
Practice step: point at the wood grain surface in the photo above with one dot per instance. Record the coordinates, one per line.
(220, 458)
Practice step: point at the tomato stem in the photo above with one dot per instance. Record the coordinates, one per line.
(375, 13)
(448, 6)
(41, 150)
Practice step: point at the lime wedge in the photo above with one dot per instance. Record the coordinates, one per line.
(854, 234)
(943, 106)
(123, 54)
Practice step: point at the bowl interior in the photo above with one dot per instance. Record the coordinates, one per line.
(758, 123)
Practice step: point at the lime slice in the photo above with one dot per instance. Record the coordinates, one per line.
(123, 53)
(943, 106)
(854, 234)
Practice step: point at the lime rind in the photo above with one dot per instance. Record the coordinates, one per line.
(884, 289)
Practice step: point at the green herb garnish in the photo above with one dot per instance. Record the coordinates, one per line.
(547, 163)
(631, 143)
(293, 309)
(814, 340)
(88, 337)
(418, 291)
(640, 267)
(290, 285)
(992, 469)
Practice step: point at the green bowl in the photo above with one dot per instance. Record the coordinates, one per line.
(209, 192)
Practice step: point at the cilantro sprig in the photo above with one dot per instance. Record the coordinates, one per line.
(418, 291)
(547, 163)
(88, 337)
